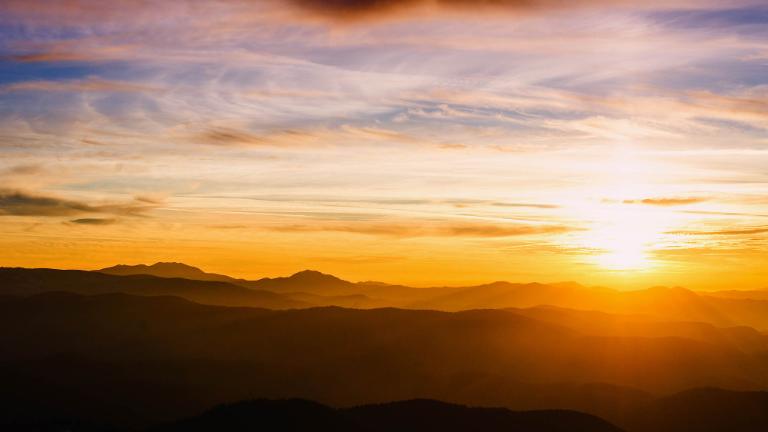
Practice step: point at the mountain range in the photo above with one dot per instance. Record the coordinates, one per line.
(405, 416)
(311, 289)
(168, 358)
(146, 348)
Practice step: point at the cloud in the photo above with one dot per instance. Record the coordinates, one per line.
(222, 136)
(364, 9)
(744, 231)
(666, 201)
(299, 138)
(94, 221)
(22, 204)
(24, 170)
(18, 203)
(504, 230)
(435, 230)
(85, 49)
(526, 205)
(721, 213)
(228, 226)
(393, 201)
(453, 146)
(81, 85)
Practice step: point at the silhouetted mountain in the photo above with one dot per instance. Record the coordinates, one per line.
(289, 415)
(166, 358)
(619, 325)
(729, 309)
(705, 410)
(169, 270)
(429, 415)
(407, 416)
(309, 281)
(18, 281)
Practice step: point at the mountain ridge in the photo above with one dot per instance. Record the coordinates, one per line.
(196, 356)
(312, 288)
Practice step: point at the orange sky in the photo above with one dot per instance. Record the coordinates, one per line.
(623, 146)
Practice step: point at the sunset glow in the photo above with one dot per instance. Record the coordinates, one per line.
(423, 144)
(384, 215)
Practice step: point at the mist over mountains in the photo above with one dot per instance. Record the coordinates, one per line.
(312, 288)
(146, 348)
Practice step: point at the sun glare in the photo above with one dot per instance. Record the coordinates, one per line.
(624, 232)
(623, 238)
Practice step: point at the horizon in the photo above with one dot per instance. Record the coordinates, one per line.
(372, 281)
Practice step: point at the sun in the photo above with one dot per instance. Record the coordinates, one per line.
(623, 232)
(622, 239)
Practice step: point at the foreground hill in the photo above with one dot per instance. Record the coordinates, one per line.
(705, 410)
(405, 416)
(166, 358)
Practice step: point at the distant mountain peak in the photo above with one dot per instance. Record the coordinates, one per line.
(314, 276)
(175, 265)
(305, 280)
(166, 269)
(166, 265)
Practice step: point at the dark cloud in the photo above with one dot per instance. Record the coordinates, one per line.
(365, 8)
(19, 203)
(94, 221)
(357, 9)
(22, 204)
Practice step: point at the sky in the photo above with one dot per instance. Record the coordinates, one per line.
(429, 142)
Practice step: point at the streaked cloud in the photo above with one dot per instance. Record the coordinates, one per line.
(359, 9)
(94, 221)
(725, 232)
(426, 229)
(19, 203)
(85, 85)
(667, 201)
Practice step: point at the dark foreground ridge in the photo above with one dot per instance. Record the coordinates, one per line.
(405, 416)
